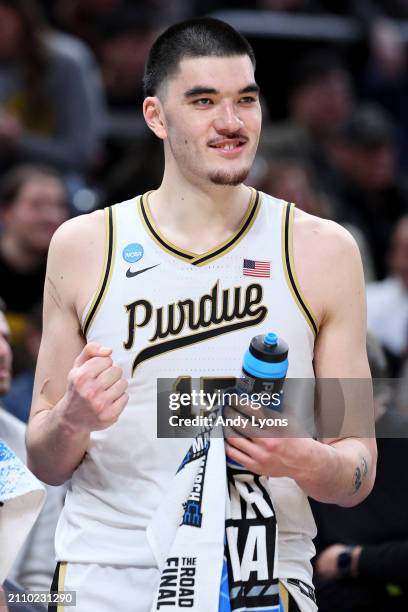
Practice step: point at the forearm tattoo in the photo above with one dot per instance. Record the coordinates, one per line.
(360, 473)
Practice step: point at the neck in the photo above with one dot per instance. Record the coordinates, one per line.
(19, 255)
(197, 216)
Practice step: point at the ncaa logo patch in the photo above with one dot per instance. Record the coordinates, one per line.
(133, 252)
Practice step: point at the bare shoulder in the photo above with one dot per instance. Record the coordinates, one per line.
(77, 232)
(320, 233)
(327, 260)
(75, 258)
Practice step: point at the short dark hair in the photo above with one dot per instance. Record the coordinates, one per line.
(200, 37)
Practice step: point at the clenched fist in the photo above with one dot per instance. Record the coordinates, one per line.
(96, 391)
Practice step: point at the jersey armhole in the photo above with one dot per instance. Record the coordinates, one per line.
(288, 214)
(110, 243)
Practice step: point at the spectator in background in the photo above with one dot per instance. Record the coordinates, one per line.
(34, 566)
(320, 100)
(132, 155)
(125, 39)
(362, 552)
(139, 169)
(387, 300)
(321, 97)
(294, 181)
(366, 181)
(81, 17)
(48, 114)
(32, 206)
(126, 36)
(384, 79)
(18, 400)
(291, 179)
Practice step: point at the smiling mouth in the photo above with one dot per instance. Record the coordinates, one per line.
(228, 145)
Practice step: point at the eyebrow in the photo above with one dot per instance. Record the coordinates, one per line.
(252, 88)
(200, 90)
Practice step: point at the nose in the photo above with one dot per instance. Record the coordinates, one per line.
(228, 119)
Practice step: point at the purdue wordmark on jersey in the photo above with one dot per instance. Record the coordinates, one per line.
(225, 311)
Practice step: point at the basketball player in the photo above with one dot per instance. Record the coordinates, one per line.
(149, 288)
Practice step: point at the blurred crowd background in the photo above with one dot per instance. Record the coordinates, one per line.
(334, 82)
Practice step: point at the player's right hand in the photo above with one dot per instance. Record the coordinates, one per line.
(96, 391)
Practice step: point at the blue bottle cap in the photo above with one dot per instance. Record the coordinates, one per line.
(271, 339)
(266, 357)
(269, 347)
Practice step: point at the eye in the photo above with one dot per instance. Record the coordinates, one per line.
(203, 102)
(248, 100)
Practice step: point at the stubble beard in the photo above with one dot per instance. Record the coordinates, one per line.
(220, 177)
(216, 177)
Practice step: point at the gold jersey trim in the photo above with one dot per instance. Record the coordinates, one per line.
(284, 596)
(289, 267)
(203, 258)
(62, 572)
(109, 259)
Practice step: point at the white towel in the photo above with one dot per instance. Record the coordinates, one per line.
(22, 496)
(211, 511)
(186, 533)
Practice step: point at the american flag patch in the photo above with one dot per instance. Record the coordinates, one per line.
(256, 268)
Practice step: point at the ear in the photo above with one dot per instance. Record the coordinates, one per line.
(153, 114)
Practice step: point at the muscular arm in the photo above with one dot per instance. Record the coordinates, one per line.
(339, 467)
(68, 372)
(342, 469)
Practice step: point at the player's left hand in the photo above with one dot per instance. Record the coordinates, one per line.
(269, 450)
(271, 456)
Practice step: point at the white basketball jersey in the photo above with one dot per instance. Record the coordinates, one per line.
(170, 313)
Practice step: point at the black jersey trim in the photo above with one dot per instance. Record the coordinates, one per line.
(106, 272)
(58, 586)
(202, 258)
(289, 265)
(236, 238)
(160, 239)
